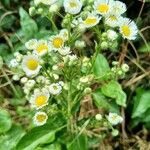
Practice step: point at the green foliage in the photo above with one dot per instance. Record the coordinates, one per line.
(41, 135)
(100, 66)
(11, 138)
(28, 25)
(5, 121)
(145, 48)
(113, 90)
(102, 102)
(141, 103)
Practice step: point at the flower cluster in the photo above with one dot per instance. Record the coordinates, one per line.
(51, 66)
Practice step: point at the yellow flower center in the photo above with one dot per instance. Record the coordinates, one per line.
(40, 100)
(58, 42)
(126, 30)
(90, 21)
(41, 48)
(32, 64)
(113, 18)
(41, 117)
(114, 117)
(73, 4)
(103, 8)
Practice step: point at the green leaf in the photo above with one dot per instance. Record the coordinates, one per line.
(11, 138)
(141, 103)
(101, 66)
(5, 121)
(101, 102)
(41, 135)
(28, 25)
(81, 143)
(145, 48)
(113, 90)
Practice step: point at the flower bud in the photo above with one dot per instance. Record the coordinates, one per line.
(80, 44)
(104, 45)
(24, 80)
(115, 132)
(87, 90)
(112, 35)
(16, 77)
(125, 67)
(98, 117)
(32, 11)
(40, 10)
(54, 8)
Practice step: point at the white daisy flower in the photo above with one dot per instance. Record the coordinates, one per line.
(114, 118)
(119, 7)
(112, 20)
(40, 118)
(128, 28)
(91, 20)
(13, 63)
(72, 6)
(39, 99)
(56, 42)
(48, 2)
(30, 65)
(65, 34)
(42, 47)
(64, 51)
(55, 88)
(31, 44)
(103, 7)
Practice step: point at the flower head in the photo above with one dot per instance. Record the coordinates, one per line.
(39, 99)
(42, 47)
(91, 20)
(40, 118)
(56, 42)
(31, 65)
(128, 28)
(55, 88)
(31, 44)
(103, 7)
(72, 6)
(114, 118)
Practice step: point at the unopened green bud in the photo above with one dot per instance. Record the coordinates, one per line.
(104, 45)
(125, 67)
(87, 90)
(32, 11)
(115, 132)
(40, 10)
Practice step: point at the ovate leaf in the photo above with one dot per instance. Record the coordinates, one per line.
(28, 25)
(141, 103)
(113, 90)
(5, 121)
(101, 66)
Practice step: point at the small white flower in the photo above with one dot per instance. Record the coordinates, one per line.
(103, 7)
(40, 118)
(55, 67)
(40, 79)
(114, 118)
(128, 28)
(72, 57)
(119, 7)
(31, 44)
(91, 20)
(56, 42)
(72, 6)
(56, 77)
(55, 88)
(13, 63)
(41, 48)
(112, 20)
(48, 2)
(39, 99)
(112, 35)
(65, 34)
(30, 65)
(64, 51)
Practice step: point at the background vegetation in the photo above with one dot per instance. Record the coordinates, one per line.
(16, 27)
